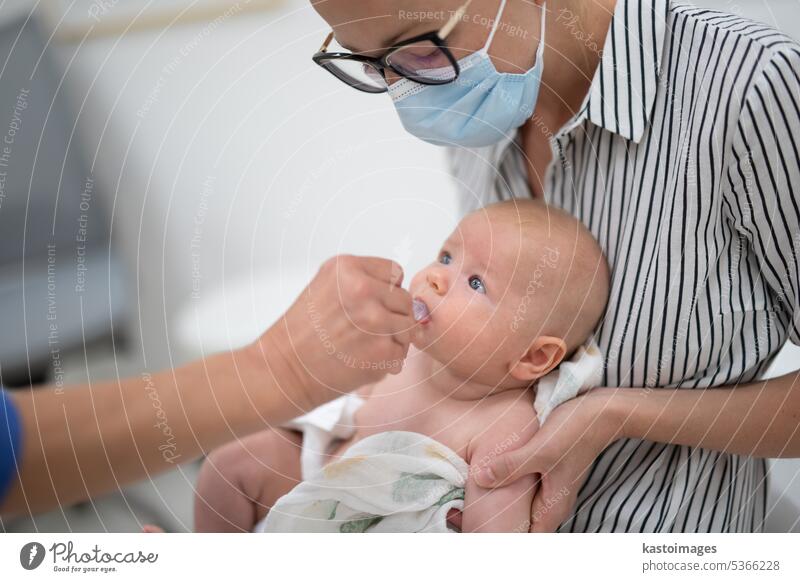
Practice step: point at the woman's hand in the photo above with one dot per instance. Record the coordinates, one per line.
(349, 327)
(562, 452)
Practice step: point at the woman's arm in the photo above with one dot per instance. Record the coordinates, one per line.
(81, 441)
(86, 440)
(759, 419)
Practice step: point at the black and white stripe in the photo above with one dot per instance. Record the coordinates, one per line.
(684, 162)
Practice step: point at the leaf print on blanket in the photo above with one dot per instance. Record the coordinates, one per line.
(413, 486)
(454, 493)
(333, 510)
(361, 524)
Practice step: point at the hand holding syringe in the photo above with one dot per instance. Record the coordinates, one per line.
(345, 329)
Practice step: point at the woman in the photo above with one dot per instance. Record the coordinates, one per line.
(58, 446)
(672, 133)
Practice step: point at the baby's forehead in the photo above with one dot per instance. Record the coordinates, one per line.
(490, 228)
(503, 241)
(508, 215)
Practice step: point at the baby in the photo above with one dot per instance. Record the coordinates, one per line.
(516, 289)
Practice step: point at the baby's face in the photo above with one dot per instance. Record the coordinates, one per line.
(482, 297)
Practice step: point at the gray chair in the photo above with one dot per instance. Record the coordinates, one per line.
(60, 284)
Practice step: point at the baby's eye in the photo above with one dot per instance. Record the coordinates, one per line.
(476, 283)
(445, 258)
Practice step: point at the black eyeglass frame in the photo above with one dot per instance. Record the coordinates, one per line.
(324, 59)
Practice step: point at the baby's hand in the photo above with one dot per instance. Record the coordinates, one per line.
(455, 518)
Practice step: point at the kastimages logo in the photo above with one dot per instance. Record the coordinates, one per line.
(31, 555)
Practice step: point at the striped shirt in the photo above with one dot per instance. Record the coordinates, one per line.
(683, 162)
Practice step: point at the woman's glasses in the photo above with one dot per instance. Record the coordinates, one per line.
(424, 59)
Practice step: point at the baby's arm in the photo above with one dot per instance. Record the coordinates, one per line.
(505, 509)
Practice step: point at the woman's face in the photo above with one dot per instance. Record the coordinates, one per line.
(371, 26)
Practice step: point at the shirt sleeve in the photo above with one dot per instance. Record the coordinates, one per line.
(10, 442)
(763, 181)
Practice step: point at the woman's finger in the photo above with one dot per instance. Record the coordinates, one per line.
(508, 467)
(392, 324)
(398, 300)
(402, 339)
(384, 270)
(400, 354)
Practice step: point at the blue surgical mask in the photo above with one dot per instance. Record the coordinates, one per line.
(479, 108)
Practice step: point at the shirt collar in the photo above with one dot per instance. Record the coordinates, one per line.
(623, 90)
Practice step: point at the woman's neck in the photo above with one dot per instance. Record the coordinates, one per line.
(575, 36)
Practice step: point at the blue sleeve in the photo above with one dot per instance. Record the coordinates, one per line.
(10, 441)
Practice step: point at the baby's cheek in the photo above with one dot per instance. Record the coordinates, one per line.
(493, 327)
(477, 341)
(417, 281)
(464, 321)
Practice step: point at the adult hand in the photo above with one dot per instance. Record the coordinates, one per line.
(562, 452)
(350, 326)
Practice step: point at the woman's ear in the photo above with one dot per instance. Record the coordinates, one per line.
(544, 354)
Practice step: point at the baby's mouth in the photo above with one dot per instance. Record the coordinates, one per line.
(421, 313)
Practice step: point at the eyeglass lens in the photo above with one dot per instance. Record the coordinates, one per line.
(422, 61)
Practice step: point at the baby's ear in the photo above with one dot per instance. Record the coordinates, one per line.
(544, 354)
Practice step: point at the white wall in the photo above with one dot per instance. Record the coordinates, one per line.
(301, 167)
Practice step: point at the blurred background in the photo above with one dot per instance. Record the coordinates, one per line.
(184, 169)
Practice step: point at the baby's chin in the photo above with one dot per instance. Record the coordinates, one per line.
(421, 338)
(428, 339)
(462, 368)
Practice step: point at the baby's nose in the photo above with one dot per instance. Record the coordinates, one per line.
(437, 281)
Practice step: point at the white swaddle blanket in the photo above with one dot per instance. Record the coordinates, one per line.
(582, 372)
(393, 481)
(304, 508)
